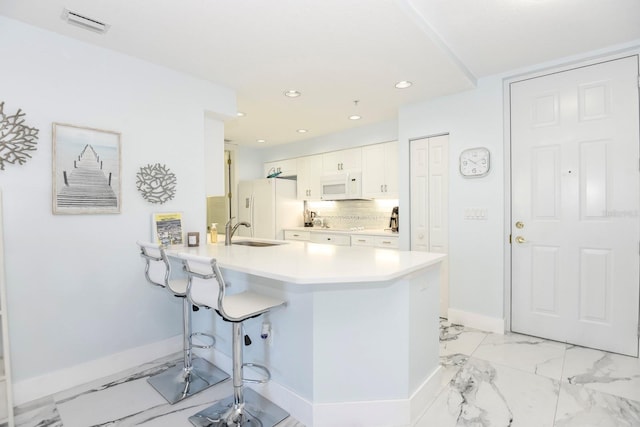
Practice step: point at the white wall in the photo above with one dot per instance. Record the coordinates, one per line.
(478, 271)
(479, 256)
(75, 283)
(363, 135)
(472, 119)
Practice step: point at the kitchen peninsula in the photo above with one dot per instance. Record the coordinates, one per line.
(357, 342)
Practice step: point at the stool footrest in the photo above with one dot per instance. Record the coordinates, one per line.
(262, 368)
(202, 334)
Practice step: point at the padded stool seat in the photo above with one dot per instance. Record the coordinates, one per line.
(194, 374)
(244, 408)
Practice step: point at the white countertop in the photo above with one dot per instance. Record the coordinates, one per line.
(314, 263)
(368, 232)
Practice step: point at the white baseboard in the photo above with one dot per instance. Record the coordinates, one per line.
(38, 387)
(477, 321)
(378, 413)
(397, 413)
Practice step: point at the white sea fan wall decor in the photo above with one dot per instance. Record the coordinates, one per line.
(156, 183)
(16, 138)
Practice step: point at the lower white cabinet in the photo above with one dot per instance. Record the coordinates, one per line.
(297, 235)
(360, 240)
(331, 238)
(343, 239)
(386, 242)
(390, 242)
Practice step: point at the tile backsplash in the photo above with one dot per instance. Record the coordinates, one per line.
(345, 214)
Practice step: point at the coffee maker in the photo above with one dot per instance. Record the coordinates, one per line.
(394, 220)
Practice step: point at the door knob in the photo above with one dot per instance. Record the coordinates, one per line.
(520, 239)
(519, 224)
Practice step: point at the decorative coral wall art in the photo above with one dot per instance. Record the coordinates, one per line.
(16, 138)
(86, 170)
(156, 183)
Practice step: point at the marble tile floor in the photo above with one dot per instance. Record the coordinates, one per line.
(123, 400)
(486, 380)
(491, 380)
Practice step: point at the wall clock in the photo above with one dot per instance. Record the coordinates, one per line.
(475, 162)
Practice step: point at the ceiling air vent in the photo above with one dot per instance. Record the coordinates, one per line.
(84, 22)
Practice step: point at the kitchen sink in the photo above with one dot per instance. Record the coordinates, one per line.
(252, 243)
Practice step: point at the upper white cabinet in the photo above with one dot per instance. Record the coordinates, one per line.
(380, 171)
(309, 170)
(286, 167)
(342, 160)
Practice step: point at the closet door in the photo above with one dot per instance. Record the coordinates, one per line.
(430, 204)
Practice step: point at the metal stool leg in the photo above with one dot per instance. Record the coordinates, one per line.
(194, 375)
(245, 408)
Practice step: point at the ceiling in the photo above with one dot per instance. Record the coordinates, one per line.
(336, 52)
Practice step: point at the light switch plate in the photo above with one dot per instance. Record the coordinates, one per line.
(475, 213)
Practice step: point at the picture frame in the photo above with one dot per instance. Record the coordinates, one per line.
(193, 239)
(86, 170)
(166, 228)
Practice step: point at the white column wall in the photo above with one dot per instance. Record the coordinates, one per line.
(472, 119)
(75, 285)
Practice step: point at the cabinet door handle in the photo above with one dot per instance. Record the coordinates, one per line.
(381, 188)
(385, 188)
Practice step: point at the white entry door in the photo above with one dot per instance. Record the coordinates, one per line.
(429, 204)
(575, 206)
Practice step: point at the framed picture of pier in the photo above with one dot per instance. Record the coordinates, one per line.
(86, 170)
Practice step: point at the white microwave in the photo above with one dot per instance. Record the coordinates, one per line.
(341, 186)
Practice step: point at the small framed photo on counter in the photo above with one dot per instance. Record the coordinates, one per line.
(193, 239)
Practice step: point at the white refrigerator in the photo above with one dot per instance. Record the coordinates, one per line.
(269, 205)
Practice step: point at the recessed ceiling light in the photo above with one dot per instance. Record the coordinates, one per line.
(302, 130)
(240, 114)
(403, 84)
(292, 93)
(84, 21)
(261, 140)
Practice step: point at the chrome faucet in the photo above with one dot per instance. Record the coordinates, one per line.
(230, 231)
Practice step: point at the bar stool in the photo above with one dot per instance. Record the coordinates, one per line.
(195, 374)
(246, 407)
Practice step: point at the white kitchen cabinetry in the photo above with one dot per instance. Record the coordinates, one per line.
(309, 170)
(360, 240)
(342, 160)
(390, 242)
(286, 167)
(380, 171)
(6, 395)
(339, 239)
(297, 235)
(386, 242)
